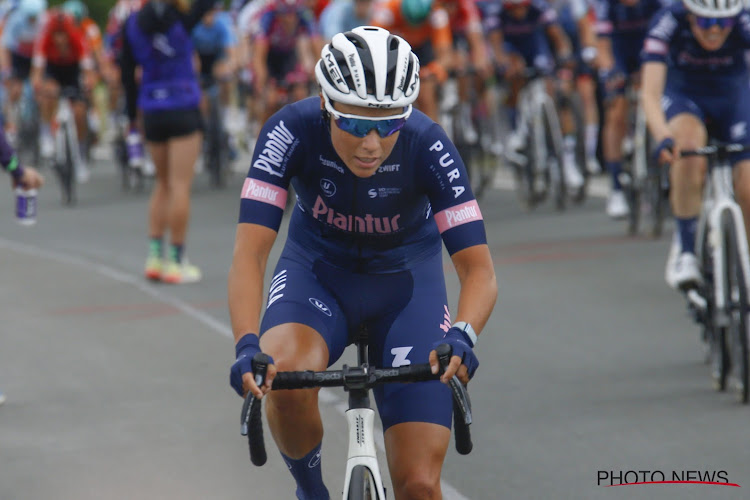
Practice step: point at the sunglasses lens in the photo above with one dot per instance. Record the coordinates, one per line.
(708, 22)
(360, 128)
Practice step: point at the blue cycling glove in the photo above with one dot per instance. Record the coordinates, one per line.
(666, 143)
(246, 348)
(462, 347)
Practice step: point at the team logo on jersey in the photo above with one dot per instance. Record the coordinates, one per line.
(328, 187)
(279, 145)
(383, 192)
(321, 306)
(332, 164)
(389, 168)
(366, 223)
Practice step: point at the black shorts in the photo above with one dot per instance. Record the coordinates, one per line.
(68, 75)
(21, 66)
(160, 126)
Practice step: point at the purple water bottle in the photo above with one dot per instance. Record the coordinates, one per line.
(26, 206)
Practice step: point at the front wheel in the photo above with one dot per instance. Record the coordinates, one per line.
(362, 485)
(735, 292)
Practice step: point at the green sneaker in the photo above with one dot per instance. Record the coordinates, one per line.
(153, 268)
(180, 273)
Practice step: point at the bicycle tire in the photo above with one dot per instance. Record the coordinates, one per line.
(706, 290)
(735, 292)
(555, 152)
(576, 106)
(362, 484)
(64, 170)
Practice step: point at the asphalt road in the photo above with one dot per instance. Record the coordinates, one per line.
(118, 389)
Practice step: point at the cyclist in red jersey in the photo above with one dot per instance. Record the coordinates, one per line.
(61, 59)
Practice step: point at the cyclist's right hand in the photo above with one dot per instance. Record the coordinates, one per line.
(241, 374)
(464, 362)
(664, 152)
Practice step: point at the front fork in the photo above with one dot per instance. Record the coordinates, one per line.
(362, 447)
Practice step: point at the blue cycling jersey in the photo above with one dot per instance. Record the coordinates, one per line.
(215, 38)
(526, 35)
(629, 22)
(691, 67)
(388, 222)
(339, 16)
(20, 33)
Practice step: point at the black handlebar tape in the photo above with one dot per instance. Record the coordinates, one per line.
(255, 437)
(463, 433)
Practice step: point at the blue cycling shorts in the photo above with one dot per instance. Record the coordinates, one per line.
(405, 312)
(725, 115)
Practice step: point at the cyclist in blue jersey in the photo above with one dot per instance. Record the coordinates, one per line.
(520, 33)
(157, 38)
(344, 15)
(213, 41)
(695, 80)
(621, 26)
(379, 188)
(19, 34)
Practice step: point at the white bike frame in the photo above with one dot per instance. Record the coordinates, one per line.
(534, 104)
(719, 198)
(362, 449)
(64, 116)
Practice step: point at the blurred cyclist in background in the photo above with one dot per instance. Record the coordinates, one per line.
(61, 60)
(283, 56)
(426, 27)
(344, 15)
(20, 32)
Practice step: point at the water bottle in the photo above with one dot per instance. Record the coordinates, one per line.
(26, 206)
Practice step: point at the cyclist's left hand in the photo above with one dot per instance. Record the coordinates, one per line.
(464, 362)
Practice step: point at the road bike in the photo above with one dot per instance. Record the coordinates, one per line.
(645, 185)
(216, 141)
(539, 167)
(67, 160)
(362, 480)
(720, 303)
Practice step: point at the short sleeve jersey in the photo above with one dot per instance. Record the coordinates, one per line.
(671, 41)
(385, 223)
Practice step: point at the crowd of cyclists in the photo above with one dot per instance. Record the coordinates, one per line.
(261, 54)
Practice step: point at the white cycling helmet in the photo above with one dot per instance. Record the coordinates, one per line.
(714, 8)
(369, 67)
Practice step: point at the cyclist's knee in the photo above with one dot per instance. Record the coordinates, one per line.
(294, 346)
(419, 485)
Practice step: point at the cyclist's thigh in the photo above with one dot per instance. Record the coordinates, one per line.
(408, 340)
(295, 295)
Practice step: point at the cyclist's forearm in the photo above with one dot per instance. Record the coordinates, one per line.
(654, 76)
(245, 295)
(478, 294)
(253, 244)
